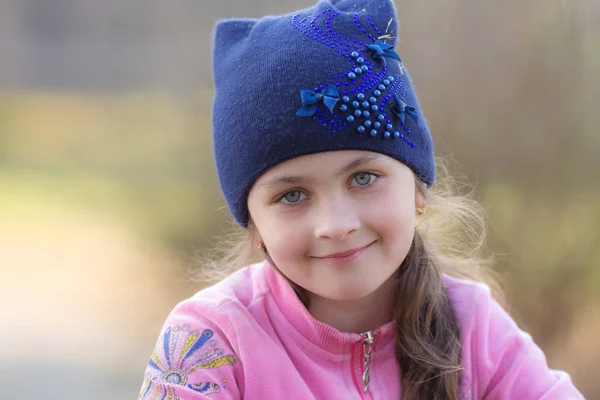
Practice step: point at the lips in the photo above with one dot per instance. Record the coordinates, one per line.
(345, 254)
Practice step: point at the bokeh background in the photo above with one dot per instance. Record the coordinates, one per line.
(107, 184)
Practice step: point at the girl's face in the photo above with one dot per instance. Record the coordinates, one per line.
(338, 223)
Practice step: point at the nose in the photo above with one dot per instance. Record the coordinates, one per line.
(336, 218)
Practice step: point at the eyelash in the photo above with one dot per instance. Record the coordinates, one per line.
(373, 175)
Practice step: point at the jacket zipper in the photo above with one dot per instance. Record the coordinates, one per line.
(367, 342)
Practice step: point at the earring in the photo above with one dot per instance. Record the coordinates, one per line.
(261, 246)
(420, 211)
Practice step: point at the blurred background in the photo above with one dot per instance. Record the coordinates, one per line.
(107, 183)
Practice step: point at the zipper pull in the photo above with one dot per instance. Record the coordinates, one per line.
(367, 340)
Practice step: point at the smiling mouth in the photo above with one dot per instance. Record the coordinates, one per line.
(345, 255)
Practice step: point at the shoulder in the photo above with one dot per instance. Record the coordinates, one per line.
(197, 351)
(501, 360)
(466, 295)
(219, 309)
(478, 314)
(462, 288)
(227, 299)
(243, 286)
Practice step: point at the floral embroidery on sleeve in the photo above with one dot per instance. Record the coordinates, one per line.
(178, 354)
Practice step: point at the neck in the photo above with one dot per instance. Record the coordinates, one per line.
(357, 316)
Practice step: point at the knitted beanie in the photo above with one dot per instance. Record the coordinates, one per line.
(325, 78)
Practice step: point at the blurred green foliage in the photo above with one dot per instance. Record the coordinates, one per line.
(138, 156)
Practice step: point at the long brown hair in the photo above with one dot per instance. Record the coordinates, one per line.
(427, 334)
(450, 240)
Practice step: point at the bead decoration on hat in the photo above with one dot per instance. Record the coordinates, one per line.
(372, 98)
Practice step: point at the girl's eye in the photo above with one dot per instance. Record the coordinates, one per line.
(363, 179)
(292, 197)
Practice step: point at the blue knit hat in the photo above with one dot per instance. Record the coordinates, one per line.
(321, 79)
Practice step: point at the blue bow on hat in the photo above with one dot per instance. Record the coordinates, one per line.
(381, 50)
(401, 109)
(310, 100)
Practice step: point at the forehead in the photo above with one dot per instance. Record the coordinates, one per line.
(328, 160)
(323, 166)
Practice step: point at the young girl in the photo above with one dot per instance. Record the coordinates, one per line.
(326, 161)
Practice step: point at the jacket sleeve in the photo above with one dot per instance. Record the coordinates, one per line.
(507, 362)
(194, 357)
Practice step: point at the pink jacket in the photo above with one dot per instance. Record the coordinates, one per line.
(250, 337)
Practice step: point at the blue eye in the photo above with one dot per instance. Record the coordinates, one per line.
(291, 197)
(364, 178)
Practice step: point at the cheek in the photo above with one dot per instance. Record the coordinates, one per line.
(394, 221)
(286, 242)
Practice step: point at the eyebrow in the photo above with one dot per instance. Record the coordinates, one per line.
(295, 179)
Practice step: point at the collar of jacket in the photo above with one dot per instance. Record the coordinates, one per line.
(317, 332)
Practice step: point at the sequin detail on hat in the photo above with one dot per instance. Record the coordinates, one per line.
(365, 87)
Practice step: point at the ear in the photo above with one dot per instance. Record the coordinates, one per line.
(257, 240)
(420, 201)
(254, 234)
(229, 32)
